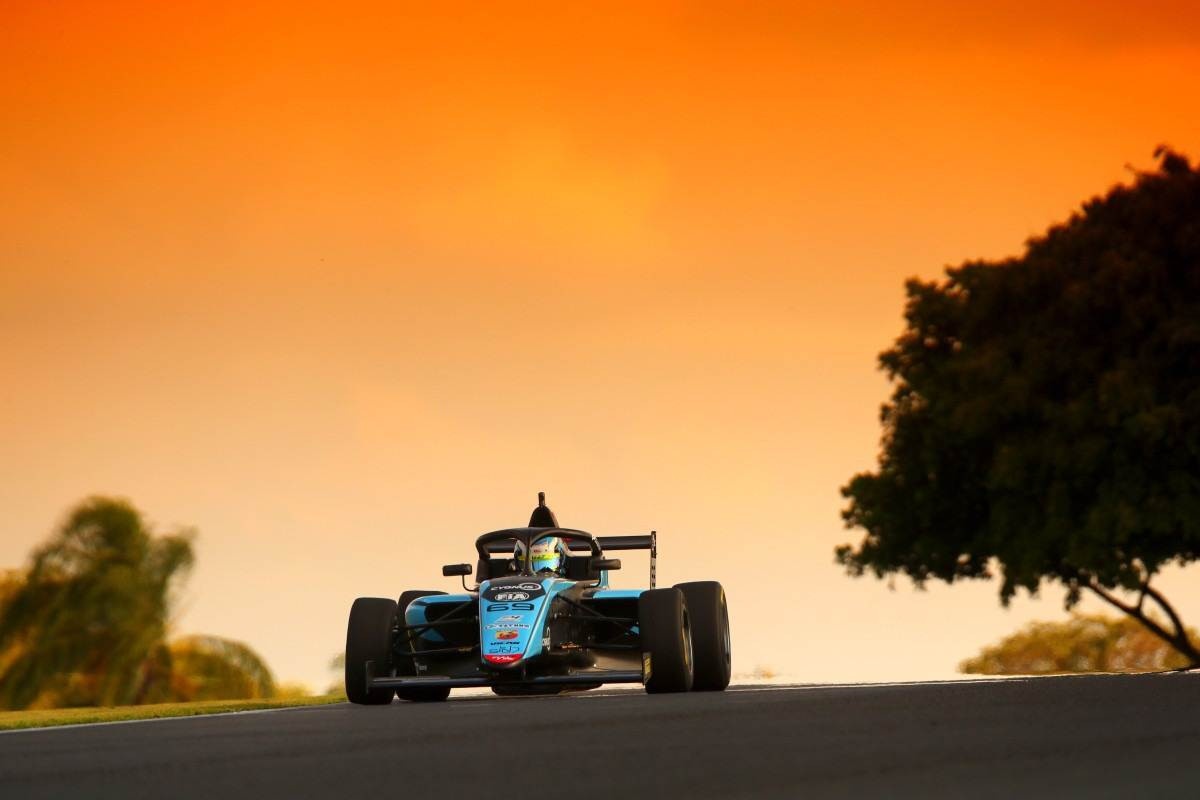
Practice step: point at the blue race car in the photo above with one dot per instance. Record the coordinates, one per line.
(542, 620)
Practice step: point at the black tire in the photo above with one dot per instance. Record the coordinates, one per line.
(369, 638)
(711, 649)
(415, 694)
(666, 639)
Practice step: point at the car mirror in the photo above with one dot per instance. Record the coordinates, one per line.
(456, 569)
(606, 563)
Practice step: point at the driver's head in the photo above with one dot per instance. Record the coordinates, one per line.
(547, 555)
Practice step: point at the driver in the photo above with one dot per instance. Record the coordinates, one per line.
(548, 556)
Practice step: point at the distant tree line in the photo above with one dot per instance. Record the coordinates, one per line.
(87, 622)
(1083, 643)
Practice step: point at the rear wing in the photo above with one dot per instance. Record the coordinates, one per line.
(649, 542)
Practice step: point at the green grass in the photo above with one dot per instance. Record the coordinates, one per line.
(49, 717)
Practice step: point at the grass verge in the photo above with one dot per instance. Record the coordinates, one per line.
(50, 717)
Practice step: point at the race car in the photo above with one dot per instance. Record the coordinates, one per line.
(541, 620)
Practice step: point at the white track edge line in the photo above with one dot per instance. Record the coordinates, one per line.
(76, 725)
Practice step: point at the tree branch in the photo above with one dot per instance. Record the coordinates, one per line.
(1179, 640)
(1154, 594)
(1131, 610)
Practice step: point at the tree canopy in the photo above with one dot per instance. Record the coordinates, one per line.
(92, 609)
(1084, 643)
(1045, 421)
(86, 623)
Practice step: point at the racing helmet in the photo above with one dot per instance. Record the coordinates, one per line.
(548, 554)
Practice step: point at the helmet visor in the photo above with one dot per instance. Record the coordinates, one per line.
(545, 556)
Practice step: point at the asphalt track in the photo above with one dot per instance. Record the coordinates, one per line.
(1104, 736)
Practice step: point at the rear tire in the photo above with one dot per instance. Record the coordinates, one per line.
(667, 639)
(369, 638)
(711, 649)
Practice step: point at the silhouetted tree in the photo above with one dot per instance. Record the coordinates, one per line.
(1091, 643)
(1046, 414)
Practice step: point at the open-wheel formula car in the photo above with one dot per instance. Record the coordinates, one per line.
(541, 620)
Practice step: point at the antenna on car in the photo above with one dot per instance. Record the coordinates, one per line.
(541, 499)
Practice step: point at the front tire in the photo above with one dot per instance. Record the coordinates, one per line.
(712, 652)
(667, 640)
(369, 638)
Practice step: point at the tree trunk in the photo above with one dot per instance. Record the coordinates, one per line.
(1177, 639)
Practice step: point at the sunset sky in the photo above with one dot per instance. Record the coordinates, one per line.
(343, 285)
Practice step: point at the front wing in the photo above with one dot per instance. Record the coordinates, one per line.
(441, 681)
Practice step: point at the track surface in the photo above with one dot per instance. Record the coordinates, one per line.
(1109, 736)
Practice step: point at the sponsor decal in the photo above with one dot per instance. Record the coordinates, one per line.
(510, 618)
(505, 593)
(501, 659)
(646, 671)
(506, 626)
(507, 635)
(546, 642)
(505, 647)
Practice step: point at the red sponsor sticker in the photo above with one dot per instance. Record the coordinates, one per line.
(502, 659)
(506, 635)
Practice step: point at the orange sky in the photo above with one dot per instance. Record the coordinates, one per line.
(345, 284)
